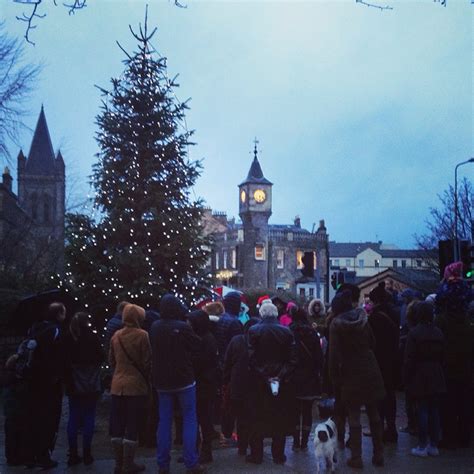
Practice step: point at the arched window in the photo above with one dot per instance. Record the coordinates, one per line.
(34, 206)
(46, 209)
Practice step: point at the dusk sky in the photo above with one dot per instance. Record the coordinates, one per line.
(361, 115)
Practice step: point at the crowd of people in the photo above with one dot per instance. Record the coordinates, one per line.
(257, 376)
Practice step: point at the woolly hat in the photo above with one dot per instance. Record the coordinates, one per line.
(263, 300)
(133, 316)
(268, 310)
(232, 303)
(342, 302)
(453, 271)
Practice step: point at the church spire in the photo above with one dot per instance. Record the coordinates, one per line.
(41, 159)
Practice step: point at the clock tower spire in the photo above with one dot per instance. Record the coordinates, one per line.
(255, 209)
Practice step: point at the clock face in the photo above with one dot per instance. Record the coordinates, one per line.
(259, 195)
(243, 196)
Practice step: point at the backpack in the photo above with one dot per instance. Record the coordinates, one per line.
(28, 347)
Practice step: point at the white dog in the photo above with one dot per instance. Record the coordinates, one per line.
(325, 445)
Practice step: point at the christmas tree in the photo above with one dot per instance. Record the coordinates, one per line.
(146, 239)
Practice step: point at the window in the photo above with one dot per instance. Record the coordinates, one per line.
(224, 259)
(419, 263)
(259, 252)
(290, 236)
(299, 259)
(336, 262)
(330, 262)
(376, 263)
(361, 263)
(348, 262)
(240, 235)
(225, 238)
(34, 206)
(234, 258)
(404, 263)
(302, 292)
(395, 263)
(311, 292)
(46, 209)
(280, 258)
(217, 260)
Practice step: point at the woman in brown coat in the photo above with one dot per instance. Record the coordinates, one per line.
(130, 357)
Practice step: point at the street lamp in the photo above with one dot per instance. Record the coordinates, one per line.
(456, 211)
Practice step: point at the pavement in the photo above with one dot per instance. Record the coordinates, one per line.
(397, 457)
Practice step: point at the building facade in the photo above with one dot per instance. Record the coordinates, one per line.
(256, 254)
(32, 221)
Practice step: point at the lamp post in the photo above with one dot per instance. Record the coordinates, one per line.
(456, 210)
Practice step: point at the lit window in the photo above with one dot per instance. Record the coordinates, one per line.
(361, 263)
(280, 258)
(259, 252)
(377, 263)
(234, 258)
(299, 259)
(224, 259)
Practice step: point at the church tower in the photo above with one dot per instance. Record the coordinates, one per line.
(255, 208)
(41, 186)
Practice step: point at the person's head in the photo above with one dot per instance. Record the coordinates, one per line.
(379, 295)
(251, 322)
(199, 321)
(232, 303)
(172, 308)
(215, 308)
(133, 316)
(453, 272)
(425, 312)
(268, 310)
(408, 295)
(316, 308)
(56, 312)
(80, 322)
(342, 302)
(120, 307)
(412, 314)
(353, 290)
(298, 315)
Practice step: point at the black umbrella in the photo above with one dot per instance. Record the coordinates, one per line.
(33, 308)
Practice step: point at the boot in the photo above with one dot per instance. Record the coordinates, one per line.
(73, 457)
(129, 466)
(87, 455)
(304, 439)
(356, 448)
(377, 441)
(117, 445)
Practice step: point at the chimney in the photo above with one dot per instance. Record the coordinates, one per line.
(298, 222)
(7, 179)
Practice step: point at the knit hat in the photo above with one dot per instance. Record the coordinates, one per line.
(232, 303)
(133, 316)
(268, 310)
(453, 271)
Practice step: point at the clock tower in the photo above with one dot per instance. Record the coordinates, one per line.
(255, 208)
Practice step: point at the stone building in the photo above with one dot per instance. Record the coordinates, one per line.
(256, 254)
(32, 221)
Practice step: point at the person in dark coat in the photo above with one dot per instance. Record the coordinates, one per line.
(237, 376)
(45, 387)
(452, 302)
(113, 325)
(83, 359)
(206, 370)
(175, 346)
(384, 322)
(228, 326)
(353, 366)
(272, 361)
(424, 378)
(306, 377)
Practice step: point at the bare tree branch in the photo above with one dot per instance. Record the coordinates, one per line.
(374, 5)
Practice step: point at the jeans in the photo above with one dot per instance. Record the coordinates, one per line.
(428, 421)
(187, 401)
(81, 414)
(125, 416)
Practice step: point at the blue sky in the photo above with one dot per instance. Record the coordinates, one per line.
(361, 115)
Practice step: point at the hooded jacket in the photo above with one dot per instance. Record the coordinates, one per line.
(130, 355)
(352, 363)
(174, 346)
(228, 325)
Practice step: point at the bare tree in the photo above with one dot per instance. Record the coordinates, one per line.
(16, 83)
(440, 225)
